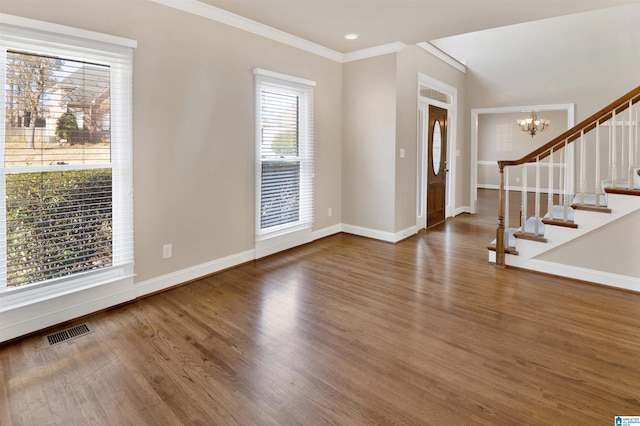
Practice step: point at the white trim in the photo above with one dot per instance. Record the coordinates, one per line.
(213, 13)
(443, 56)
(284, 77)
(173, 279)
(376, 234)
(18, 297)
(268, 246)
(219, 15)
(511, 188)
(584, 274)
(493, 186)
(452, 151)
(368, 232)
(20, 22)
(26, 319)
(475, 113)
(32, 307)
(406, 233)
(461, 210)
(326, 232)
(371, 52)
(303, 90)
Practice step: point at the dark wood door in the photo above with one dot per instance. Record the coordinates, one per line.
(437, 165)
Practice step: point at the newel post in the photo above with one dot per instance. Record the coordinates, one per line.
(500, 230)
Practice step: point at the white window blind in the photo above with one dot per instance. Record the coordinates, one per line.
(65, 155)
(284, 154)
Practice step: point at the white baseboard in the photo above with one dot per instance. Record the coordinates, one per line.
(406, 233)
(368, 232)
(460, 210)
(325, 232)
(376, 234)
(172, 279)
(590, 275)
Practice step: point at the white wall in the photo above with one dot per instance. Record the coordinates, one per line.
(589, 59)
(368, 137)
(499, 138)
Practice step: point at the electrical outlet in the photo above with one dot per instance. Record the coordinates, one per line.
(166, 251)
(330, 212)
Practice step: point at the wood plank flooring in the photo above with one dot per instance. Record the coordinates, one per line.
(346, 331)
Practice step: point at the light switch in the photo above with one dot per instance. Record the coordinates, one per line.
(401, 152)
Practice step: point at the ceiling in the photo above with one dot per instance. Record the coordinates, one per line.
(379, 22)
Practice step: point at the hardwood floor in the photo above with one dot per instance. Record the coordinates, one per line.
(347, 331)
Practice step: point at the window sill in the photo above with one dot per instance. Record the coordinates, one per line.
(26, 310)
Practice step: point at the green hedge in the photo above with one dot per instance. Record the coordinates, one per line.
(58, 223)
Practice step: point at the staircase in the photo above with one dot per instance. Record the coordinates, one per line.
(580, 218)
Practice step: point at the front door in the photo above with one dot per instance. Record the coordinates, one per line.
(437, 166)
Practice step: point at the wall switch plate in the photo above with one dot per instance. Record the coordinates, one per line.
(166, 251)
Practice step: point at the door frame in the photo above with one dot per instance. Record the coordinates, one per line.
(476, 112)
(424, 157)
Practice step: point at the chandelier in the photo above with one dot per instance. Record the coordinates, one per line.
(533, 124)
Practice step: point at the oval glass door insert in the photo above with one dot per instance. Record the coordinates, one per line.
(436, 147)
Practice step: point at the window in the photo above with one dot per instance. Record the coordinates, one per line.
(284, 154)
(65, 157)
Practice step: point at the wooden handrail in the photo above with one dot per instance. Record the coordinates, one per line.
(561, 141)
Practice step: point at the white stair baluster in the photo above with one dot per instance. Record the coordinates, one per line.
(506, 207)
(598, 186)
(614, 154)
(623, 151)
(523, 220)
(537, 199)
(631, 146)
(583, 167)
(565, 170)
(550, 189)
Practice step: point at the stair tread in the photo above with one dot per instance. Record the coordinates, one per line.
(590, 200)
(531, 236)
(557, 213)
(559, 222)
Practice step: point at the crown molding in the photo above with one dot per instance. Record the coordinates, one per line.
(374, 51)
(21, 22)
(213, 13)
(210, 12)
(460, 66)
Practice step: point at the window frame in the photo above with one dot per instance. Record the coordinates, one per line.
(23, 34)
(289, 233)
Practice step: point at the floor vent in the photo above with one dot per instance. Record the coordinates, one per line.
(68, 334)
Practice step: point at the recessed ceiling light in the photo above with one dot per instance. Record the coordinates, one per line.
(351, 36)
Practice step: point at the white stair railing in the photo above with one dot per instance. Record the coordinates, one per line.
(622, 151)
